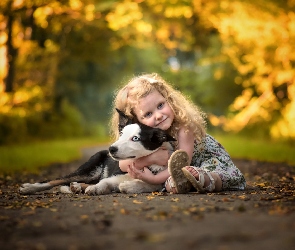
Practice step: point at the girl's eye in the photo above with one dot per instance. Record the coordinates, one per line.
(135, 138)
(147, 115)
(161, 105)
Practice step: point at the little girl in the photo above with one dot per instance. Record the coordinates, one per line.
(199, 160)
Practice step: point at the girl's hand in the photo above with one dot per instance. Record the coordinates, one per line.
(142, 174)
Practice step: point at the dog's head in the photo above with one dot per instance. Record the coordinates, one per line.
(138, 140)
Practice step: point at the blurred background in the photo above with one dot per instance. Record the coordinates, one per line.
(62, 60)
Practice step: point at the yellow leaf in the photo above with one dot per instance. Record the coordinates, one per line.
(137, 202)
(149, 197)
(244, 197)
(84, 218)
(227, 200)
(261, 184)
(37, 224)
(2, 217)
(124, 211)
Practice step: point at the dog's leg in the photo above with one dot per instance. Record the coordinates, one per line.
(89, 172)
(28, 188)
(138, 186)
(108, 185)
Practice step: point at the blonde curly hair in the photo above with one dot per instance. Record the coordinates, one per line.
(186, 114)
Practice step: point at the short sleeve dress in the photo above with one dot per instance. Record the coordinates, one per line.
(211, 156)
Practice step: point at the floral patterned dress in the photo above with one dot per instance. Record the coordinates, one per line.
(211, 156)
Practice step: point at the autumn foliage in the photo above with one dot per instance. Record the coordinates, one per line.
(62, 60)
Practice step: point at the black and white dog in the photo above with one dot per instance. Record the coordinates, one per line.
(102, 169)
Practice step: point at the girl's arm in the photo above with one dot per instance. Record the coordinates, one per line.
(160, 157)
(186, 142)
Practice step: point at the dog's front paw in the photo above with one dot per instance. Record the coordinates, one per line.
(98, 189)
(91, 190)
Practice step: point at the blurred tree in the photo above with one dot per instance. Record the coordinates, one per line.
(48, 36)
(73, 53)
(259, 38)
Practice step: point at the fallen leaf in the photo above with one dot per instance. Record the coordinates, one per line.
(149, 197)
(159, 193)
(161, 215)
(244, 197)
(227, 200)
(84, 218)
(278, 210)
(32, 212)
(37, 224)
(124, 211)
(2, 217)
(148, 237)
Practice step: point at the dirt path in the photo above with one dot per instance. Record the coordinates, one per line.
(262, 217)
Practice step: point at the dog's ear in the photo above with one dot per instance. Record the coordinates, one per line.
(160, 136)
(124, 120)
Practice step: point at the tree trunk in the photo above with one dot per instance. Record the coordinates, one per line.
(11, 55)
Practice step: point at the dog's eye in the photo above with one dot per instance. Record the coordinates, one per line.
(135, 138)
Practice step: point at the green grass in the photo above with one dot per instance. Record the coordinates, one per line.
(257, 149)
(30, 157)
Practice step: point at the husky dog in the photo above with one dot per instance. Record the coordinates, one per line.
(102, 169)
(137, 140)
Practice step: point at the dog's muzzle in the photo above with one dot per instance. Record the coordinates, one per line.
(113, 152)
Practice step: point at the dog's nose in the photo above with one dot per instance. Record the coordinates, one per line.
(113, 149)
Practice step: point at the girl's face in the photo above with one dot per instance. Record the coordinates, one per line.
(153, 110)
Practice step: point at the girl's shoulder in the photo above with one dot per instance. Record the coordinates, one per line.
(208, 140)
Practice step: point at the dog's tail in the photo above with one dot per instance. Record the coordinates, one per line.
(89, 172)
